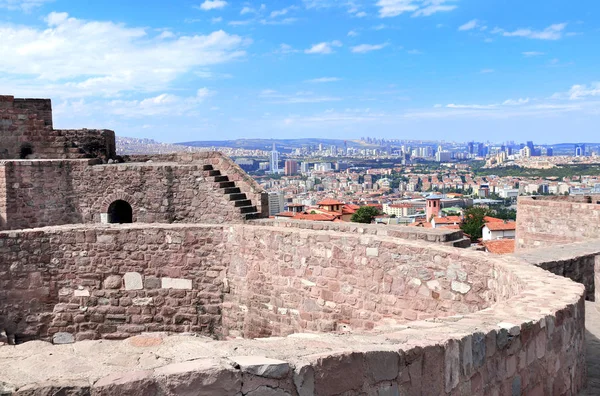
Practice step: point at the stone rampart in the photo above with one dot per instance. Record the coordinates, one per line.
(42, 193)
(441, 236)
(579, 262)
(26, 131)
(551, 221)
(528, 339)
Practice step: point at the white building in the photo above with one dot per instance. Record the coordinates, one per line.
(499, 230)
(274, 163)
(399, 210)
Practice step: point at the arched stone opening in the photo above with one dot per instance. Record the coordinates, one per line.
(120, 212)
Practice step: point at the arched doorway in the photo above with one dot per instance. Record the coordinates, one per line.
(120, 212)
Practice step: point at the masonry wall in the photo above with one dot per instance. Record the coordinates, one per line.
(285, 281)
(111, 283)
(45, 193)
(28, 122)
(543, 221)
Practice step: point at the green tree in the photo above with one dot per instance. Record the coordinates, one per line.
(473, 221)
(364, 214)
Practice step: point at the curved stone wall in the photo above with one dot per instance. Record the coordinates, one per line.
(500, 326)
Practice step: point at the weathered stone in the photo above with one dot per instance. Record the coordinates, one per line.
(112, 282)
(63, 338)
(133, 281)
(382, 365)
(372, 252)
(129, 383)
(262, 366)
(338, 373)
(460, 287)
(452, 365)
(203, 376)
(174, 283)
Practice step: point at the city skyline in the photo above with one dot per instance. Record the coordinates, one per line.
(440, 70)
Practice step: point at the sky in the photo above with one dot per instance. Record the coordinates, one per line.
(183, 70)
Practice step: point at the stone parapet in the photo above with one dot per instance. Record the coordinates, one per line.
(529, 343)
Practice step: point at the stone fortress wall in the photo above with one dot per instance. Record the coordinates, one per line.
(347, 309)
(117, 281)
(26, 130)
(36, 193)
(550, 221)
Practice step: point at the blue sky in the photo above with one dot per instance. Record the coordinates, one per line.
(415, 69)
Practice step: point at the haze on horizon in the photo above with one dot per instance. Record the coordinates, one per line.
(454, 70)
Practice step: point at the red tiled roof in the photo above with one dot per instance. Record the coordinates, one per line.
(329, 201)
(500, 246)
(508, 226)
(314, 217)
(285, 214)
(489, 219)
(448, 220)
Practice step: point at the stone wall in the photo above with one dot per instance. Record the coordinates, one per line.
(579, 262)
(27, 123)
(293, 280)
(550, 221)
(55, 192)
(531, 343)
(111, 282)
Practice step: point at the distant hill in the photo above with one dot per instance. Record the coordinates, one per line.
(267, 144)
(127, 145)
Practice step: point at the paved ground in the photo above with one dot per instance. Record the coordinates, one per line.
(592, 324)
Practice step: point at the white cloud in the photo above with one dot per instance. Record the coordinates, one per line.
(297, 98)
(392, 8)
(352, 33)
(323, 80)
(216, 20)
(275, 14)
(360, 14)
(286, 49)
(469, 25)
(583, 91)
(74, 57)
(364, 48)
(213, 5)
(530, 54)
(552, 32)
(23, 5)
(323, 48)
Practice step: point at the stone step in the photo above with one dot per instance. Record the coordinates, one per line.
(232, 190)
(242, 202)
(207, 167)
(252, 216)
(247, 209)
(221, 179)
(227, 184)
(214, 173)
(237, 196)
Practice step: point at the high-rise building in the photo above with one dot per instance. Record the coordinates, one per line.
(291, 167)
(274, 160)
(304, 167)
(580, 150)
(549, 151)
(276, 203)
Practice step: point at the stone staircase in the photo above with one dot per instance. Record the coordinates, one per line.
(233, 193)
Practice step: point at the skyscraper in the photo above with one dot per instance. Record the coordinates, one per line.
(274, 164)
(291, 167)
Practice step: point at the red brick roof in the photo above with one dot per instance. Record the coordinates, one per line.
(285, 214)
(314, 217)
(448, 220)
(489, 219)
(500, 246)
(508, 226)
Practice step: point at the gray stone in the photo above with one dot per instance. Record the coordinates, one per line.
(267, 391)
(478, 349)
(388, 390)
(382, 365)
(133, 281)
(176, 283)
(63, 338)
(134, 382)
(113, 282)
(512, 329)
(151, 283)
(142, 301)
(516, 386)
(304, 380)
(199, 377)
(262, 366)
(452, 365)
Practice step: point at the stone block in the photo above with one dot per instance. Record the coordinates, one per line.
(81, 293)
(338, 373)
(134, 382)
(142, 301)
(151, 283)
(199, 377)
(262, 366)
(460, 287)
(63, 338)
(452, 365)
(382, 365)
(176, 283)
(112, 282)
(133, 281)
(372, 252)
